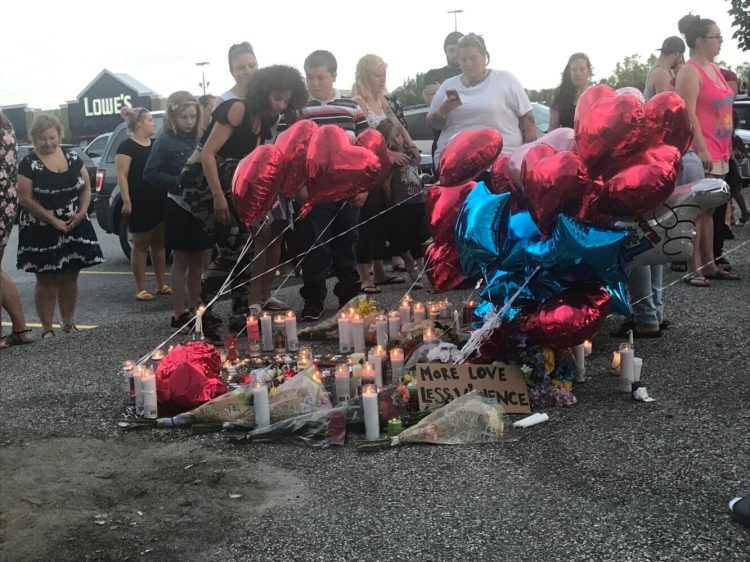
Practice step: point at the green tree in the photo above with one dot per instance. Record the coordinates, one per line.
(631, 72)
(410, 92)
(544, 96)
(740, 11)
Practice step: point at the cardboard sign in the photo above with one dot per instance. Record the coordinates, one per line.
(438, 383)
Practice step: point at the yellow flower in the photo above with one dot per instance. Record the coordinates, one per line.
(567, 385)
(366, 306)
(549, 359)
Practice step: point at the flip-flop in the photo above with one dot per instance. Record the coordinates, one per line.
(392, 280)
(371, 290)
(164, 290)
(697, 281)
(144, 295)
(722, 275)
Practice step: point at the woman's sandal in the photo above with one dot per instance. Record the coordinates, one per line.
(164, 290)
(48, 334)
(722, 275)
(67, 328)
(15, 338)
(391, 280)
(144, 295)
(696, 280)
(370, 290)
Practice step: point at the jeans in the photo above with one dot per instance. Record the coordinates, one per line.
(645, 286)
(339, 251)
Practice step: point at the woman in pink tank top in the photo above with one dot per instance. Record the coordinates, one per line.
(709, 102)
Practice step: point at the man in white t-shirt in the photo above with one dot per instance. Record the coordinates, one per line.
(242, 65)
(480, 97)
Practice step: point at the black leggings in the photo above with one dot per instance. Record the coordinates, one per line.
(373, 234)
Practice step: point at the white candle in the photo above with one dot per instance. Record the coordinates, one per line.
(290, 320)
(156, 357)
(587, 347)
(579, 354)
(394, 325)
(419, 312)
(397, 365)
(198, 334)
(626, 369)
(358, 333)
(370, 408)
(127, 382)
(404, 311)
(138, 372)
(376, 360)
(148, 390)
(356, 381)
(279, 334)
(266, 332)
(445, 309)
(381, 329)
(345, 333)
(304, 357)
(434, 310)
(637, 366)
(262, 407)
(368, 374)
(253, 336)
(428, 336)
(342, 382)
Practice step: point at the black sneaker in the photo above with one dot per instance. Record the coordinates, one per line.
(213, 334)
(312, 311)
(183, 323)
(237, 323)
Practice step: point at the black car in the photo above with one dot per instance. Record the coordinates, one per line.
(107, 198)
(26, 149)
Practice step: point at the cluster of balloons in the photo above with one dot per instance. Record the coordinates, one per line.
(550, 234)
(324, 158)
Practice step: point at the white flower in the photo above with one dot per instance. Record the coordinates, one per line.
(526, 369)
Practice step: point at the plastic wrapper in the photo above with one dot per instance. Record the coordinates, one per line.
(227, 407)
(189, 376)
(319, 428)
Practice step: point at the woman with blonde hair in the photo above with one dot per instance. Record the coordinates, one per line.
(55, 237)
(369, 92)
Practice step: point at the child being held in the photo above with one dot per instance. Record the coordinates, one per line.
(407, 197)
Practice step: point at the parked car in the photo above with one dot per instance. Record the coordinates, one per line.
(96, 147)
(108, 201)
(26, 149)
(422, 134)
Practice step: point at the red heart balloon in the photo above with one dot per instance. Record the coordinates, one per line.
(532, 155)
(443, 266)
(588, 97)
(501, 182)
(256, 182)
(667, 122)
(568, 319)
(468, 154)
(589, 211)
(337, 170)
(554, 185)
(374, 141)
(638, 188)
(609, 131)
(293, 145)
(442, 207)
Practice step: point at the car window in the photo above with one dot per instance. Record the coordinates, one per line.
(541, 116)
(96, 148)
(743, 113)
(416, 124)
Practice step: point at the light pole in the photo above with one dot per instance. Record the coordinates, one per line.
(203, 83)
(455, 18)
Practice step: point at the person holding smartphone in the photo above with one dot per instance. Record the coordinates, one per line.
(481, 97)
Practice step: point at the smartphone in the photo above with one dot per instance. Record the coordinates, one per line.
(452, 95)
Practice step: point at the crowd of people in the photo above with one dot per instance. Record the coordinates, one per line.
(176, 186)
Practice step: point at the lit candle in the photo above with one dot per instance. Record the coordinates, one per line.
(587, 346)
(358, 333)
(381, 329)
(368, 374)
(370, 408)
(433, 310)
(615, 365)
(376, 360)
(345, 333)
(627, 354)
(579, 354)
(394, 427)
(266, 332)
(156, 357)
(279, 334)
(397, 365)
(304, 357)
(394, 326)
(419, 312)
(148, 390)
(428, 336)
(262, 407)
(138, 371)
(253, 336)
(290, 320)
(127, 381)
(342, 382)
(469, 309)
(445, 309)
(404, 311)
(198, 334)
(356, 381)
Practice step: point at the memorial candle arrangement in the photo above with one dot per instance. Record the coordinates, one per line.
(253, 335)
(394, 326)
(419, 312)
(345, 333)
(266, 332)
(358, 333)
(290, 321)
(397, 365)
(381, 329)
(342, 382)
(279, 334)
(370, 410)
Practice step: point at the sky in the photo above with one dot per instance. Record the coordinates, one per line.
(56, 55)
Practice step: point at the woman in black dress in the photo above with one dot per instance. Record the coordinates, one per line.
(575, 79)
(55, 237)
(143, 204)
